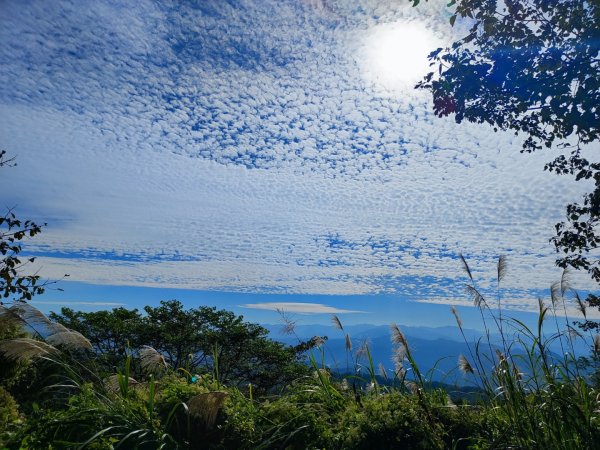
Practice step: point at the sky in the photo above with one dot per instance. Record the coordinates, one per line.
(261, 155)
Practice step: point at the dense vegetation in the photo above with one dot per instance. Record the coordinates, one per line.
(212, 380)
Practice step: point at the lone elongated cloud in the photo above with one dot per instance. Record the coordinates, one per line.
(300, 308)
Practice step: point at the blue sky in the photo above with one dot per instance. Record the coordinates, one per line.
(251, 153)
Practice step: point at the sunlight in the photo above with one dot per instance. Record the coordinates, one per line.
(396, 54)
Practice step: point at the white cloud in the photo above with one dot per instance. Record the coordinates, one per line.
(219, 148)
(301, 308)
(77, 303)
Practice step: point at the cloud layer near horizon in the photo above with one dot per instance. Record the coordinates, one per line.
(246, 149)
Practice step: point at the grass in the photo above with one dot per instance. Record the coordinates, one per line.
(528, 396)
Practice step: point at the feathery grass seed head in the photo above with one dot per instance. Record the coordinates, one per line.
(456, 316)
(348, 343)
(580, 305)
(466, 267)
(398, 337)
(464, 365)
(25, 349)
(478, 299)
(555, 293)
(70, 340)
(502, 267)
(206, 406)
(151, 360)
(337, 323)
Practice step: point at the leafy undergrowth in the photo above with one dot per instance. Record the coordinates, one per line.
(56, 393)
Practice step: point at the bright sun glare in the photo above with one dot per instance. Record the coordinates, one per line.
(396, 54)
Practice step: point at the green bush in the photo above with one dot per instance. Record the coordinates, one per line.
(389, 421)
(299, 420)
(9, 417)
(8, 408)
(98, 420)
(173, 394)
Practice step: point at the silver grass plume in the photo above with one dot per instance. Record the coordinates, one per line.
(112, 383)
(11, 317)
(398, 337)
(398, 356)
(565, 281)
(206, 406)
(502, 267)
(412, 387)
(398, 360)
(316, 341)
(456, 316)
(581, 305)
(475, 295)
(400, 372)
(466, 267)
(348, 343)
(151, 361)
(383, 372)
(464, 365)
(362, 349)
(70, 340)
(337, 323)
(25, 349)
(35, 320)
(555, 293)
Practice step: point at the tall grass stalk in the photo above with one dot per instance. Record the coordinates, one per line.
(544, 401)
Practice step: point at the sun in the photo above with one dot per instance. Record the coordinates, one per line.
(395, 54)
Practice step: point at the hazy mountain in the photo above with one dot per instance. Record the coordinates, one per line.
(436, 349)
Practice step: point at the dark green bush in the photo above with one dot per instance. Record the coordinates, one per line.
(389, 421)
(97, 419)
(299, 419)
(9, 416)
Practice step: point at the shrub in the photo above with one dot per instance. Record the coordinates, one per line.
(9, 416)
(93, 420)
(389, 421)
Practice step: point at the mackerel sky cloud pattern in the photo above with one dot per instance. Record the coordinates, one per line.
(244, 146)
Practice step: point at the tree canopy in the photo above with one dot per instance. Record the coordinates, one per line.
(532, 67)
(201, 339)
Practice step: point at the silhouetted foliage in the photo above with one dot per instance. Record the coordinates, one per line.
(532, 67)
(14, 285)
(190, 339)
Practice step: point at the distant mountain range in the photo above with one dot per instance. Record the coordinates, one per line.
(436, 349)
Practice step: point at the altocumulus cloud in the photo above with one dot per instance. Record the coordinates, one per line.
(209, 146)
